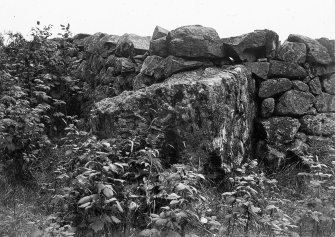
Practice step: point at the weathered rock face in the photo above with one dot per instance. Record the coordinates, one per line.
(329, 84)
(316, 52)
(273, 87)
(279, 129)
(292, 52)
(159, 32)
(211, 107)
(325, 103)
(252, 46)
(194, 42)
(182, 113)
(258, 69)
(131, 45)
(286, 69)
(329, 45)
(320, 124)
(295, 103)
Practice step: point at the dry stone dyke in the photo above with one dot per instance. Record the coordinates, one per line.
(187, 92)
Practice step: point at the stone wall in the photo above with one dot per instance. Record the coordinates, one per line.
(292, 106)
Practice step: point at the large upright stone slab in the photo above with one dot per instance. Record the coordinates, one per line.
(204, 108)
(194, 41)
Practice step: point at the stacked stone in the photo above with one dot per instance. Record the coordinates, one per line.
(297, 97)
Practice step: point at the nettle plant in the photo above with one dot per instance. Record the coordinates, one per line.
(124, 189)
(31, 110)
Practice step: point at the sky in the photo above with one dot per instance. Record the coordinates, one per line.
(312, 18)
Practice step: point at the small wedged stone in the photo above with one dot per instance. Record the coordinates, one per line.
(315, 86)
(295, 103)
(273, 87)
(267, 107)
(300, 86)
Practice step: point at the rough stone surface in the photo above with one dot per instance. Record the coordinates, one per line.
(330, 46)
(204, 107)
(325, 103)
(159, 32)
(286, 69)
(159, 47)
(315, 86)
(194, 42)
(267, 107)
(329, 84)
(292, 52)
(300, 86)
(279, 129)
(295, 103)
(252, 46)
(161, 68)
(273, 87)
(99, 43)
(258, 69)
(317, 53)
(321, 124)
(131, 45)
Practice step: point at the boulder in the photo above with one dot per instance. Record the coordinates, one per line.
(321, 124)
(278, 130)
(194, 41)
(252, 46)
(267, 107)
(299, 85)
(295, 103)
(209, 107)
(315, 86)
(159, 32)
(325, 103)
(286, 69)
(98, 43)
(124, 65)
(161, 68)
(130, 45)
(258, 69)
(292, 52)
(329, 84)
(273, 87)
(316, 52)
(159, 47)
(329, 45)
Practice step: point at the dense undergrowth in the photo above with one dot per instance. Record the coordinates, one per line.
(58, 179)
